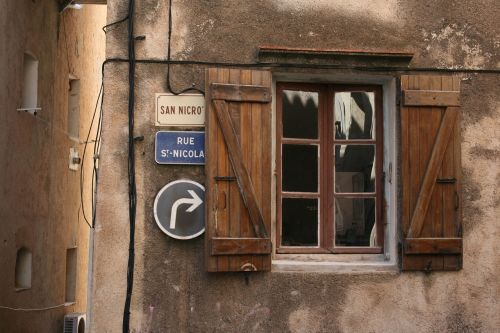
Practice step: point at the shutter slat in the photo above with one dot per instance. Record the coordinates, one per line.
(431, 98)
(430, 150)
(433, 245)
(211, 148)
(223, 214)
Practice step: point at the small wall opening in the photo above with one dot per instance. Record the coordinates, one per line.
(74, 109)
(71, 261)
(23, 269)
(30, 83)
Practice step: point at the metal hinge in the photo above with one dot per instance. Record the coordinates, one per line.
(225, 178)
(446, 180)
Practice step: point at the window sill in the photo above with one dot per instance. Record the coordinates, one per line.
(349, 263)
(22, 289)
(33, 110)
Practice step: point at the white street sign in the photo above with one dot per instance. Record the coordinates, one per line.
(180, 110)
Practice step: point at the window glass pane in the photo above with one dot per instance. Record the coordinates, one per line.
(299, 223)
(354, 168)
(355, 222)
(300, 168)
(354, 115)
(300, 114)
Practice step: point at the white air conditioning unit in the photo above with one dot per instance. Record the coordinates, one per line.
(74, 323)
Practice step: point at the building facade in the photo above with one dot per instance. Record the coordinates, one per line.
(50, 67)
(351, 167)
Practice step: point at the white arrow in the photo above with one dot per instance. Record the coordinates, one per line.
(195, 201)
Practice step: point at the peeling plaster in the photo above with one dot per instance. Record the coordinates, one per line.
(384, 10)
(456, 46)
(180, 48)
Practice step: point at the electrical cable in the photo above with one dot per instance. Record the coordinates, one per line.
(306, 66)
(101, 91)
(36, 309)
(97, 149)
(131, 167)
(114, 23)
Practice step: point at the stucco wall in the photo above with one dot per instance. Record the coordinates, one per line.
(172, 291)
(40, 196)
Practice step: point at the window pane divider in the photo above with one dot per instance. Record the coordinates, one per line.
(355, 194)
(308, 195)
(302, 249)
(289, 141)
(355, 142)
(355, 249)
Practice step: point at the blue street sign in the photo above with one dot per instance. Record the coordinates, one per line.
(180, 147)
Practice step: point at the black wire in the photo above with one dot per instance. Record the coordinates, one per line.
(114, 23)
(97, 148)
(131, 168)
(101, 91)
(262, 65)
(169, 86)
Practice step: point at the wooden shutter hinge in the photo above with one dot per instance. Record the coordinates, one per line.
(428, 267)
(446, 180)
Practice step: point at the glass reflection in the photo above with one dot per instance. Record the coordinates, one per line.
(299, 222)
(300, 168)
(300, 114)
(354, 168)
(355, 222)
(354, 115)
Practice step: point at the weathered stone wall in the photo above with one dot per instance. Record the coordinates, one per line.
(172, 291)
(40, 196)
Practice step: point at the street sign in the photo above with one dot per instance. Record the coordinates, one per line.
(179, 209)
(180, 110)
(180, 147)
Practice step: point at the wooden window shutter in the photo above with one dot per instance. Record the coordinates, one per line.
(238, 170)
(431, 173)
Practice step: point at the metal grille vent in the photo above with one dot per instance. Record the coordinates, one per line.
(74, 323)
(70, 325)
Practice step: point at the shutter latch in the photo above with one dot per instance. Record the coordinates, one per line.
(446, 180)
(225, 178)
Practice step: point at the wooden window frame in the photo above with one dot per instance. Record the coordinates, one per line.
(326, 142)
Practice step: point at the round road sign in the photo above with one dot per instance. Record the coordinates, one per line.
(179, 209)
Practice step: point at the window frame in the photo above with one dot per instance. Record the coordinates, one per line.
(29, 84)
(326, 147)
